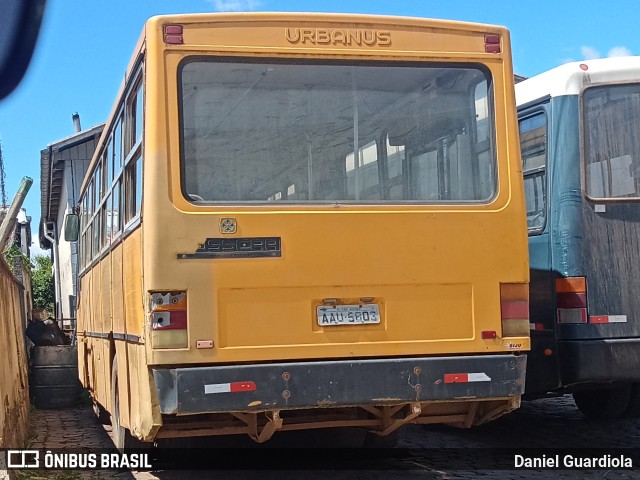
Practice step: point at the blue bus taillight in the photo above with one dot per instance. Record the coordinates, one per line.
(571, 298)
(169, 321)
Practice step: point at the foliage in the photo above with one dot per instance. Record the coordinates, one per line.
(14, 251)
(42, 283)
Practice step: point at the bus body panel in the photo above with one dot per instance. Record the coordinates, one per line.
(255, 308)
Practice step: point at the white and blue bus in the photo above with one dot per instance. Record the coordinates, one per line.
(580, 141)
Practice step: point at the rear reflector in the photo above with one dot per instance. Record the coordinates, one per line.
(608, 319)
(466, 377)
(233, 387)
(536, 326)
(571, 297)
(488, 334)
(204, 344)
(514, 309)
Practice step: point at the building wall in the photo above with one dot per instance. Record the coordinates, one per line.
(14, 386)
(65, 261)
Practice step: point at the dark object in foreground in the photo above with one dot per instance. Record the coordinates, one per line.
(53, 377)
(46, 333)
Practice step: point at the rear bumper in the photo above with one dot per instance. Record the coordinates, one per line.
(599, 361)
(296, 385)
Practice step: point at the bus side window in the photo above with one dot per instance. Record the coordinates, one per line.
(394, 171)
(363, 177)
(132, 189)
(611, 148)
(533, 144)
(425, 181)
(132, 201)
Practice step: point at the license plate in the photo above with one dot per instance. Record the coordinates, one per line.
(329, 315)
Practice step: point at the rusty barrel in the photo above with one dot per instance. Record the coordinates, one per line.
(53, 381)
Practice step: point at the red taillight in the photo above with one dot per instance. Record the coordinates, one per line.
(514, 309)
(173, 35)
(571, 297)
(169, 320)
(492, 43)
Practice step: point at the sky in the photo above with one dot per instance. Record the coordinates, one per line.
(85, 45)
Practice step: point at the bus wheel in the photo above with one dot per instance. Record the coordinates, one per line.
(633, 410)
(603, 403)
(122, 438)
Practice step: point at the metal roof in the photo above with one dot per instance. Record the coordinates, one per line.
(571, 78)
(78, 149)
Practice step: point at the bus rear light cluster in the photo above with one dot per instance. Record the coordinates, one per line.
(173, 35)
(571, 295)
(169, 322)
(492, 43)
(514, 309)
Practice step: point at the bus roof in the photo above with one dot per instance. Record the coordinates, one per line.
(571, 78)
(314, 17)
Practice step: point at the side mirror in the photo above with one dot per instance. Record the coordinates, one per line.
(20, 27)
(71, 227)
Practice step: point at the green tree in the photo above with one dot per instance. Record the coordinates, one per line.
(14, 251)
(42, 284)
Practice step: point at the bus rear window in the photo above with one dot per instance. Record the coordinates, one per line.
(611, 142)
(363, 133)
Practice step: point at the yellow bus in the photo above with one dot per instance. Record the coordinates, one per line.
(298, 221)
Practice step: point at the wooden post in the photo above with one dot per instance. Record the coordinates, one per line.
(10, 218)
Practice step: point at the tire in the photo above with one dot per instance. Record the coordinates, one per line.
(633, 409)
(122, 438)
(603, 403)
